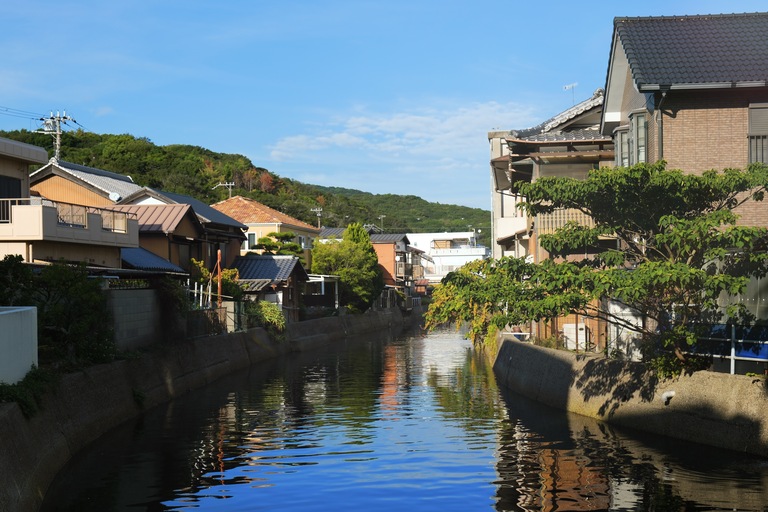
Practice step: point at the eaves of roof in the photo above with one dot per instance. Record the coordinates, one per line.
(595, 100)
(588, 135)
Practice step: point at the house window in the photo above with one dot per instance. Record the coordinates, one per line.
(638, 136)
(758, 133)
(622, 146)
(251, 240)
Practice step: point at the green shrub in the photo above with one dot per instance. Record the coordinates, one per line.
(28, 393)
(267, 315)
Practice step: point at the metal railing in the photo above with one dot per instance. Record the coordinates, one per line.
(67, 214)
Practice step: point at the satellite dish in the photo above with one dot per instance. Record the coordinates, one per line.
(114, 197)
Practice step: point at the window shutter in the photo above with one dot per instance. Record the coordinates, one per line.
(758, 120)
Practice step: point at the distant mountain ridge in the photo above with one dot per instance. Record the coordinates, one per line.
(210, 177)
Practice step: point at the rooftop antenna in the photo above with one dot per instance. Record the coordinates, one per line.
(229, 186)
(52, 126)
(572, 88)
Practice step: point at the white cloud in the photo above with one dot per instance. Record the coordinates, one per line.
(439, 154)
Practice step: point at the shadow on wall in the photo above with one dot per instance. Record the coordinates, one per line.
(706, 407)
(613, 382)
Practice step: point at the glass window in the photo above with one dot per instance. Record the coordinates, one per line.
(638, 137)
(622, 147)
(758, 133)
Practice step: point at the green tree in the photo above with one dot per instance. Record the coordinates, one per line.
(279, 243)
(354, 260)
(663, 242)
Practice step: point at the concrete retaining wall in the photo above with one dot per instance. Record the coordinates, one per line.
(87, 404)
(716, 409)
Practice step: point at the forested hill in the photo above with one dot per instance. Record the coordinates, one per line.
(195, 171)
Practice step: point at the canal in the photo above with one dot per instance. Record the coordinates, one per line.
(414, 423)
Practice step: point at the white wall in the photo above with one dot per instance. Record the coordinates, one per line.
(18, 342)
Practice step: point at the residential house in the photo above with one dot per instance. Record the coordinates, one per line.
(274, 278)
(219, 231)
(168, 231)
(261, 220)
(690, 90)
(45, 229)
(65, 181)
(568, 144)
(446, 252)
(400, 263)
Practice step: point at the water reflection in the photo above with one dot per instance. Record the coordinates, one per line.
(416, 423)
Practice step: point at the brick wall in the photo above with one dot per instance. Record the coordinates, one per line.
(708, 130)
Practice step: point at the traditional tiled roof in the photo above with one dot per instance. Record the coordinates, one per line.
(207, 213)
(158, 218)
(141, 259)
(249, 211)
(389, 238)
(328, 233)
(113, 185)
(560, 119)
(719, 50)
(572, 136)
(275, 268)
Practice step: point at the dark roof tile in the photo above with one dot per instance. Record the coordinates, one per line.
(695, 50)
(272, 267)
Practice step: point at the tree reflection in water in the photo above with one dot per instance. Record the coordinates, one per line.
(415, 423)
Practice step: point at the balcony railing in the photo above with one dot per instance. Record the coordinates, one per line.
(70, 215)
(548, 223)
(404, 269)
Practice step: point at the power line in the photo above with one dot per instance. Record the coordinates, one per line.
(23, 114)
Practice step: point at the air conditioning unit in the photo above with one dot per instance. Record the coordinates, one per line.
(576, 336)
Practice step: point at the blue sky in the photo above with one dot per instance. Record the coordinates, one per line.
(386, 97)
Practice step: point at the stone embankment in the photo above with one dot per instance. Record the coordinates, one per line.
(715, 409)
(87, 404)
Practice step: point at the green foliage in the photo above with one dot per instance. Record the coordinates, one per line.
(74, 322)
(281, 244)
(354, 260)
(74, 327)
(229, 279)
(29, 392)
(16, 282)
(674, 254)
(267, 315)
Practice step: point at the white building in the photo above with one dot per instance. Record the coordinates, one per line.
(447, 251)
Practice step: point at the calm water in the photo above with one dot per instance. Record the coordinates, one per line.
(417, 423)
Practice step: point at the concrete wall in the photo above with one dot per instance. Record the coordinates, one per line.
(136, 317)
(18, 342)
(88, 403)
(714, 409)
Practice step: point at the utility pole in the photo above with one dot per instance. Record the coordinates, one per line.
(52, 126)
(381, 218)
(319, 212)
(225, 184)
